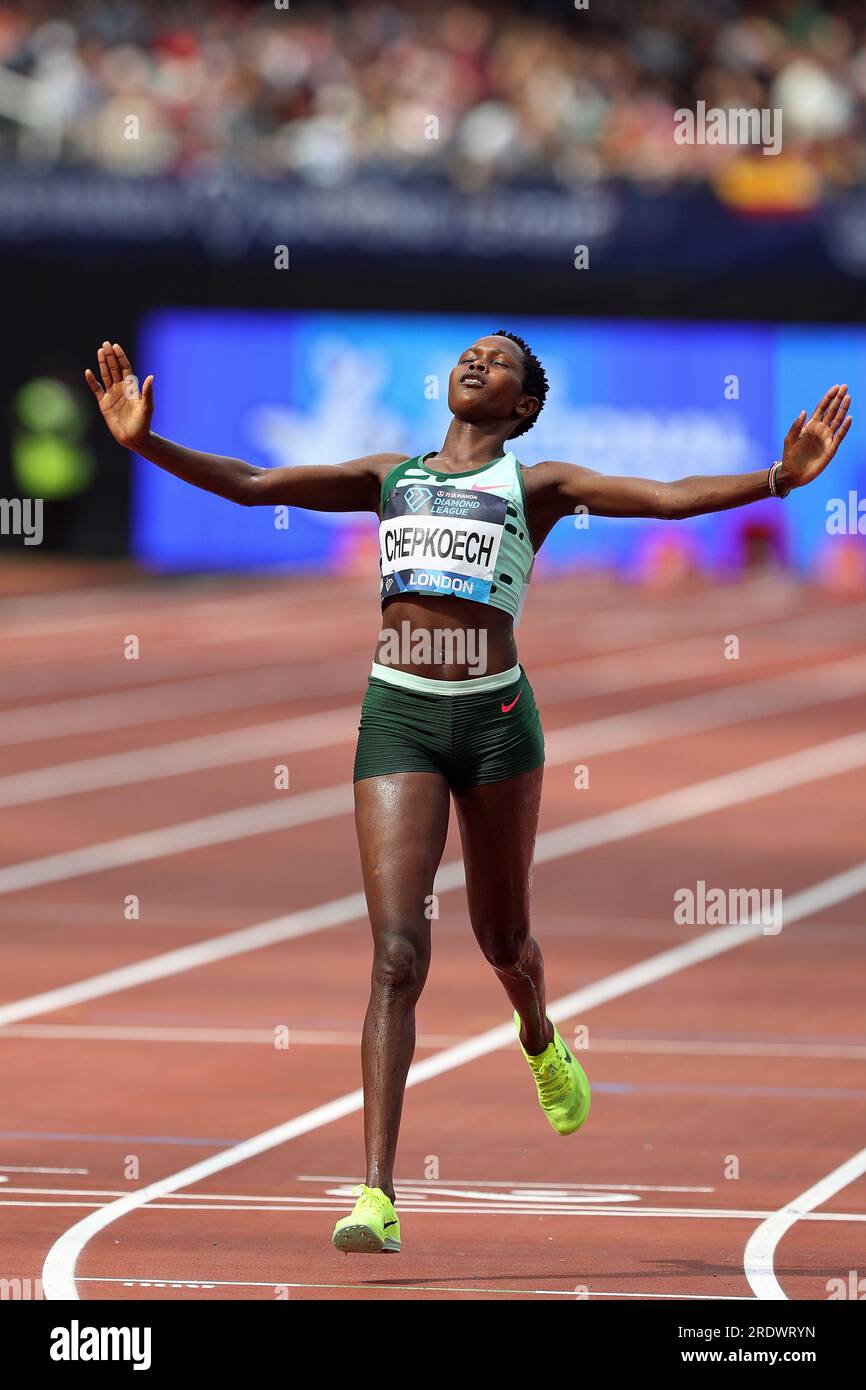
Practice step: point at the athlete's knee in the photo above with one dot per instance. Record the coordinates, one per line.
(509, 949)
(399, 965)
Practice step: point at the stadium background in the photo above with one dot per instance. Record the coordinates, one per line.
(430, 171)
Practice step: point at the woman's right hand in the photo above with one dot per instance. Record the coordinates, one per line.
(125, 410)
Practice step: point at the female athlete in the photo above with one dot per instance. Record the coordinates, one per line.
(448, 711)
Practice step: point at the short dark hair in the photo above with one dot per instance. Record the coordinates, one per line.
(535, 381)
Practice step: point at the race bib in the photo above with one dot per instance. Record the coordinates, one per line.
(440, 540)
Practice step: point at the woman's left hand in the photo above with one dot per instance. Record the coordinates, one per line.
(811, 444)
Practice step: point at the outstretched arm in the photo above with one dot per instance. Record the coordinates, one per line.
(809, 447)
(344, 487)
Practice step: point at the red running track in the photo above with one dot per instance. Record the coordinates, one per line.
(728, 1068)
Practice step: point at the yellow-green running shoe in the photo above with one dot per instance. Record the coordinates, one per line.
(372, 1228)
(563, 1086)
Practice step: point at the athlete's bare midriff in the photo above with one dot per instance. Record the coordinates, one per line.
(448, 639)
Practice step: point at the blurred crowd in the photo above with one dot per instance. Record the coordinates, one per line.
(470, 93)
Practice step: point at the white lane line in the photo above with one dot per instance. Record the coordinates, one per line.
(18, 1203)
(407, 1186)
(103, 680)
(311, 1037)
(336, 913)
(718, 793)
(614, 1207)
(761, 1245)
(310, 640)
(746, 700)
(198, 598)
(575, 1293)
(157, 761)
(297, 1037)
(520, 1204)
(811, 764)
(58, 1275)
(19, 1168)
(818, 1052)
(716, 709)
(667, 720)
(815, 634)
(217, 594)
(408, 1208)
(230, 616)
(226, 691)
(172, 700)
(548, 1193)
(280, 813)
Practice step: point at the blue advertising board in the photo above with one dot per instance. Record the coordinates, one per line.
(661, 400)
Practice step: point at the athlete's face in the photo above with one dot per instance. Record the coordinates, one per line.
(487, 384)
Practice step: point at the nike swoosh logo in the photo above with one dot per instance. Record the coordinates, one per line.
(389, 1223)
(506, 708)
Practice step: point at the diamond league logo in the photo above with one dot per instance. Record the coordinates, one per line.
(417, 496)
